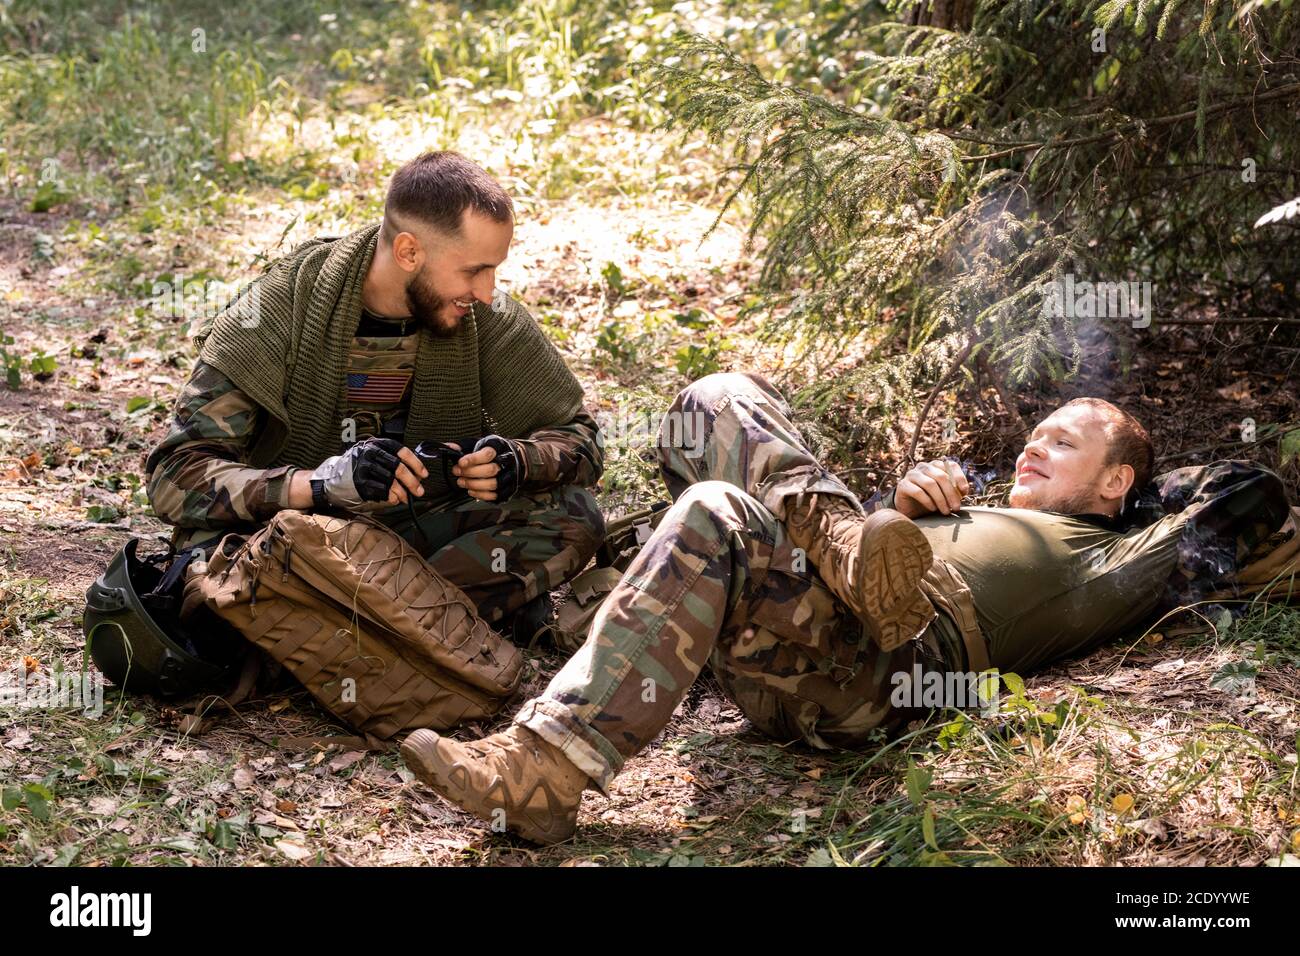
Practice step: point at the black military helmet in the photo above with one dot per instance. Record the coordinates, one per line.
(136, 637)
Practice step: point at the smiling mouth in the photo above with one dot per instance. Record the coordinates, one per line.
(462, 305)
(1030, 470)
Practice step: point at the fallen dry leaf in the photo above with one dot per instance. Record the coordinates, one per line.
(345, 760)
(1238, 391)
(103, 806)
(293, 850)
(1153, 827)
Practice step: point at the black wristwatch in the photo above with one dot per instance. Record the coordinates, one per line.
(318, 498)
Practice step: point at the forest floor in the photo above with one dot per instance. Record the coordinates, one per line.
(1133, 755)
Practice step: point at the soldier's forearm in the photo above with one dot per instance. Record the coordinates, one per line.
(194, 488)
(564, 455)
(298, 494)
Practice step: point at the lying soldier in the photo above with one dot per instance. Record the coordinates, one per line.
(313, 386)
(768, 569)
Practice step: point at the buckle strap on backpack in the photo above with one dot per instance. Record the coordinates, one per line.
(593, 585)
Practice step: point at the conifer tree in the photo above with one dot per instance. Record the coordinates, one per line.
(943, 161)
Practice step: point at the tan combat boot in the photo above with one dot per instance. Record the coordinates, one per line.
(513, 779)
(873, 563)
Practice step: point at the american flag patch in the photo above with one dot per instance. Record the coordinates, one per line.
(381, 386)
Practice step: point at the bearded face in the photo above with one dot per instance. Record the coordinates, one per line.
(437, 313)
(446, 273)
(1076, 502)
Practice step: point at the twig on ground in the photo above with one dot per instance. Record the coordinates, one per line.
(1266, 433)
(1173, 456)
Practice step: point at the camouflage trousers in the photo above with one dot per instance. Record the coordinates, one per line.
(504, 554)
(720, 584)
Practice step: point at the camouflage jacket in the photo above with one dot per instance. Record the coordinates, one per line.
(197, 478)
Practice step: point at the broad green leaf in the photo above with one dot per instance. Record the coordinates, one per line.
(927, 828)
(918, 782)
(1235, 677)
(1289, 447)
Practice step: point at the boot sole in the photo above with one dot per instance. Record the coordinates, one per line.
(420, 754)
(893, 557)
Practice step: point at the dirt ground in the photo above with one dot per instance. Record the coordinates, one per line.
(1146, 761)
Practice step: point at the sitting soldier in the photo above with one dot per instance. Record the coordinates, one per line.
(312, 388)
(767, 568)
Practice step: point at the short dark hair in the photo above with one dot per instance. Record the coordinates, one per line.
(1127, 442)
(436, 188)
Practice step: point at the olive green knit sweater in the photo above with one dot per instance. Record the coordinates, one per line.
(284, 342)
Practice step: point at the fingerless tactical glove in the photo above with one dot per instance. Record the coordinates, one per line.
(361, 477)
(512, 466)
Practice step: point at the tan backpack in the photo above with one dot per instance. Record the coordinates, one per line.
(1272, 570)
(361, 620)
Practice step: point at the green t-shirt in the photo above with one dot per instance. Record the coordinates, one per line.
(1047, 586)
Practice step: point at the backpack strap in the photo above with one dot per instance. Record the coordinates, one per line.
(575, 615)
(592, 586)
(193, 719)
(165, 599)
(625, 536)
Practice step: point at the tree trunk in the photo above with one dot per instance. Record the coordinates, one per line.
(945, 14)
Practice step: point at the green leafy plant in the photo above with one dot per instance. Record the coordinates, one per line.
(143, 406)
(1289, 447)
(48, 195)
(614, 281)
(616, 341)
(12, 363)
(695, 360)
(102, 514)
(36, 797)
(42, 366)
(1235, 677)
